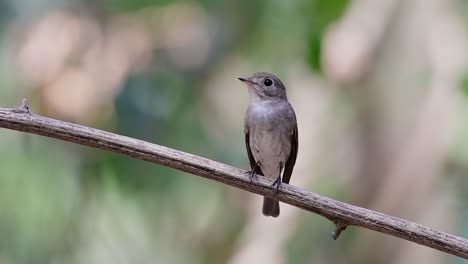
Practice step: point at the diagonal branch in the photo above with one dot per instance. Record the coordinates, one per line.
(340, 213)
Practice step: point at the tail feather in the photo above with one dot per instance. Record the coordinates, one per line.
(270, 207)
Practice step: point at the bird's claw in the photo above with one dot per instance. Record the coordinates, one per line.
(252, 176)
(277, 182)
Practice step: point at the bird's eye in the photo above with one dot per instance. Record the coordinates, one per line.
(268, 82)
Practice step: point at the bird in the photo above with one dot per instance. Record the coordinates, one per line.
(271, 136)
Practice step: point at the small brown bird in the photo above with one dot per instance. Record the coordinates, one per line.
(270, 133)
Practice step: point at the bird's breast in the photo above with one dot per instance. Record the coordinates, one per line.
(270, 138)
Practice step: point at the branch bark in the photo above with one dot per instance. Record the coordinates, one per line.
(342, 214)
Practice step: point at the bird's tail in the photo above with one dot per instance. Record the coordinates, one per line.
(270, 207)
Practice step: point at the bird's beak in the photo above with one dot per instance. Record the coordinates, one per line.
(246, 80)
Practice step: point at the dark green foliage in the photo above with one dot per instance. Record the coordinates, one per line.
(320, 15)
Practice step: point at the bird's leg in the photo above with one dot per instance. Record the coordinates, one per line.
(252, 174)
(278, 180)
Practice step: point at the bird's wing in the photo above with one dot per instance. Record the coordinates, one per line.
(252, 161)
(288, 168)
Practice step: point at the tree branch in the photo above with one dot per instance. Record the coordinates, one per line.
(340, 213)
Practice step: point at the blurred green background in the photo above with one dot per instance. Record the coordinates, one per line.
(380, 88)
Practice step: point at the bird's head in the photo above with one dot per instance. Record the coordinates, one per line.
(264, 86)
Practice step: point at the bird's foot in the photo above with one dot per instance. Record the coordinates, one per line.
(252, 176)
(277, 182)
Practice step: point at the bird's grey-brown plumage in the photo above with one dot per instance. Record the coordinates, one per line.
(270, 132)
